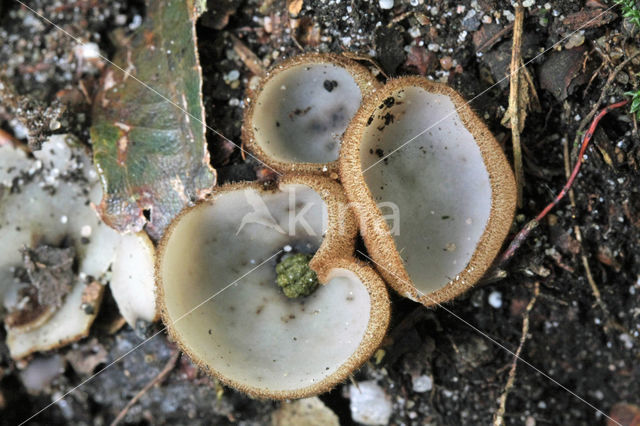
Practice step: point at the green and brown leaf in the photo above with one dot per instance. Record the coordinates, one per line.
(148, 123)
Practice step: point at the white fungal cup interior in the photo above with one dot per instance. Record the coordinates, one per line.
(435, 187)
(302, 112)
(226, 309)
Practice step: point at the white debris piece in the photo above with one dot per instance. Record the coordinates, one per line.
(495, 299)
(386, 4)
(370, 405)
(422, 383)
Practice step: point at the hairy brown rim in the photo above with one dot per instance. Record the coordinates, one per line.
(363, 78)
(381, 246)
(335, 252)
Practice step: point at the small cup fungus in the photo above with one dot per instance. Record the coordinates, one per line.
(294, 121)
(418, 145)
(133, 279)
(216, 276)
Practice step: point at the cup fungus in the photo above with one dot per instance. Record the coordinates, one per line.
(56, 251)
(133, 279)
(250, 335)
(295, 119)
(451, 183)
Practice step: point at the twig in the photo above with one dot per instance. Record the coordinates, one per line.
(156, 380)
(498, 418)
(246, 55)
(531, 225)
(514, 100)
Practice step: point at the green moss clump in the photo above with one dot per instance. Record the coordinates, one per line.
(295, 277)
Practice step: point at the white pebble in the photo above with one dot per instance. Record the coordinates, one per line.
(370, 405)
(626, 340)
(434, 47)
(495, 299)
(386, 4)
(422, 383)
(233, 75)
(87, 51)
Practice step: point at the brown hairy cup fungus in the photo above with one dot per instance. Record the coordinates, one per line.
(295, 119)
(417, 146)
(216, 275)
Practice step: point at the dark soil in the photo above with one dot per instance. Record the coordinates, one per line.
(567, 339)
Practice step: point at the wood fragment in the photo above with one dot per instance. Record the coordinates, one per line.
(294, 7)
(516, 114)
(248, 58)
(498, 418)
(8, 139)
(156, 380)
(586, 19)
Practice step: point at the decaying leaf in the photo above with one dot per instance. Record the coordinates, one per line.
(563, 71)
(148, 123)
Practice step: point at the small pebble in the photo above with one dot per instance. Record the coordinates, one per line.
(575, 40)
(386, 4)
(369, 404)
(422, 383)
(495, 299)
(54, 125)
(446, 63)
(233, 75)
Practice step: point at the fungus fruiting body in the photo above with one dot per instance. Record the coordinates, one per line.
(216, 276)
(132, 279)
(47, 220)
(49, 206)
(295, 119)
(418, 146)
